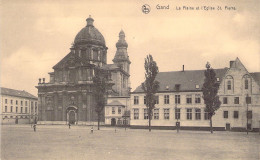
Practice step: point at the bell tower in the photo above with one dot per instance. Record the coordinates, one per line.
(121, 58)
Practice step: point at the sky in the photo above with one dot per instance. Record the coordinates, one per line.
(36, 35)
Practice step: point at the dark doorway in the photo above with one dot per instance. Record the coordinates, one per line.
(249, 127)
(113, 122)
(72, 117)
(16, 120)
(227, 126)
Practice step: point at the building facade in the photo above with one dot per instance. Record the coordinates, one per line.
(180, 99)
(18, 107)
(67, 97)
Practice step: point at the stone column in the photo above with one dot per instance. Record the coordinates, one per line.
(55, 107)
(64, 107)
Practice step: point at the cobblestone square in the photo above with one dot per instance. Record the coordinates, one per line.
(60, 142)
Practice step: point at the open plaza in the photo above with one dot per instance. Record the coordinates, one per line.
(60, 142)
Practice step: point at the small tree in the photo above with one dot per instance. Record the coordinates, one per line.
(210, 91)
(150, 85)
(100, 86)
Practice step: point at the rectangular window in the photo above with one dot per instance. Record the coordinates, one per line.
(11, 101)
(156, 99)
(119, 110)
(248, 100)
(177, 99)
(5, 101)
(113, 110)
(236, 114)
(166, 99)
(246, 83)
(229, 85)
(189, 114)
(36, 104)
(136, 113)
(177, 113)
(16, 102)
(249, 115)
(21, 103)
(225, 114)
(32, 104)
(146, 113)
(21, 109)
(144, 99)
(197, 114)
(166, 113)
(236, 100)
(156, 113)
(16, 109)
(197, 98)
(25, 109)
(188, 99)
(225, 100)
(206, 115)
(25, 103)
(136, 100)
(5, 108)
(11, 109)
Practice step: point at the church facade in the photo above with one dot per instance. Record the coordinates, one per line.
(67, 97)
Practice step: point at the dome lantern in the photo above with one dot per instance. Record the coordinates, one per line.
(90, 21)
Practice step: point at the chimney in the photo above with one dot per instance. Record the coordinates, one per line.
(231, 63)
(40, 81)
(182, 68)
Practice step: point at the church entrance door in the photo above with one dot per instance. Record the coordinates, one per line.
(72, 117)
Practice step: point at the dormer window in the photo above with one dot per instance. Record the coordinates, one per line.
(177, 87)
(167, 87)
(217, 79)
(197, 86)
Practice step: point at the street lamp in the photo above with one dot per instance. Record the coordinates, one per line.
(247, 101)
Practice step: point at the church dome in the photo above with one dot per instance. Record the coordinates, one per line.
(90, 35)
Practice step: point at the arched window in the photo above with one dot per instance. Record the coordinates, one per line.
(229, 85)
(246, 83)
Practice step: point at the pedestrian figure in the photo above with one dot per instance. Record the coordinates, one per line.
(34, 127)
(91, 129)
(69, 125)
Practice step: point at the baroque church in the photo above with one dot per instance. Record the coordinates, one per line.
(67, 97)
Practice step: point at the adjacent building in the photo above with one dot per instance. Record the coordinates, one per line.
(180, 99)
(67, 97)
(18, 107)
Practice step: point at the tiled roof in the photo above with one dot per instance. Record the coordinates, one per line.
(186, 79)
(110, 66)
(115, 103)
(16, 93)
(256, 76)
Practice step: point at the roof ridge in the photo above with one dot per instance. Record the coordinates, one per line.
(193, 70)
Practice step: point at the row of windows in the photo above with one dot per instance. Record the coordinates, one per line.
(16, 102)
(16, 109)
(236, 114)
(167, 99)
(166, 113)
(236, 100)
(114, 110)
(229, 84)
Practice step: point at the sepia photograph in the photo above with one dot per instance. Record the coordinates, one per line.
(135, 80)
